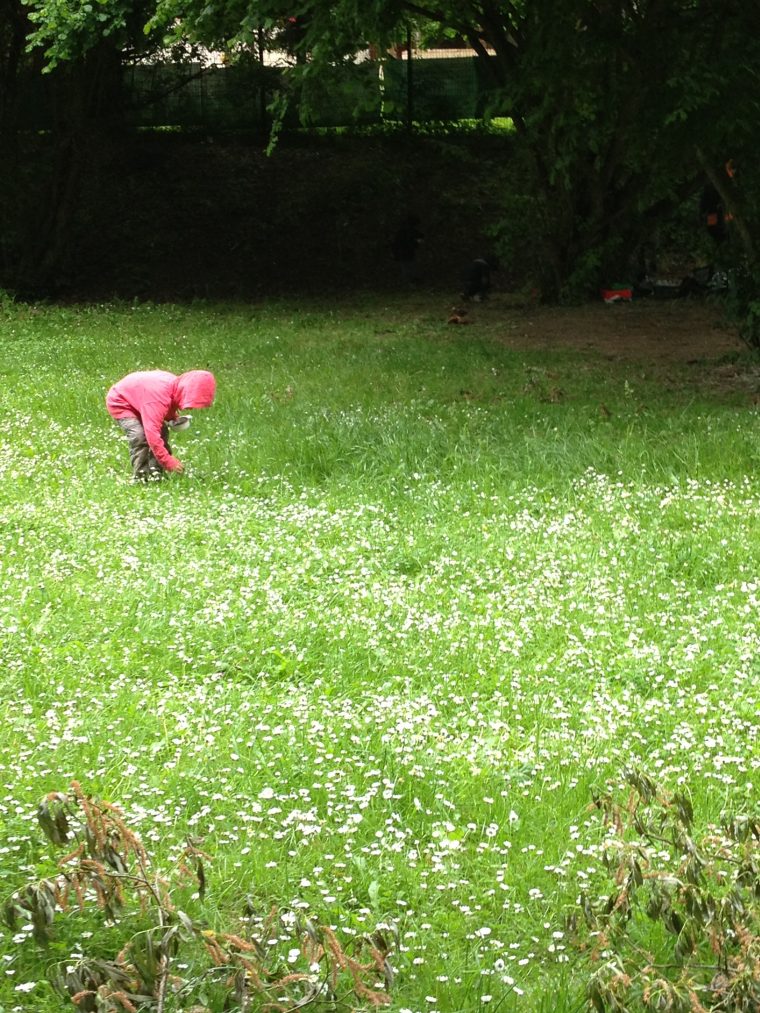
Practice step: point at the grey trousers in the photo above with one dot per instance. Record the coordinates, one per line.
(144, 463)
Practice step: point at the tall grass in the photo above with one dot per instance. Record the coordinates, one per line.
(416, 597)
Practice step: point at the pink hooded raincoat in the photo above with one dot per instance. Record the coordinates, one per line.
(156, 397)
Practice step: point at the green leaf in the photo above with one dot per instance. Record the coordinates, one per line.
(596, 998)
(373, 890)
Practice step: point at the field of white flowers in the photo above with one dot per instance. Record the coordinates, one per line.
(405, 612)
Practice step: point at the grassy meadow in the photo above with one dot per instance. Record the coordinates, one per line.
(406, 611)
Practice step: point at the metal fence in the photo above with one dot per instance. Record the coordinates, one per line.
(236, 97)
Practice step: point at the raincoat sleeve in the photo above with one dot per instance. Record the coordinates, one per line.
(153, 416)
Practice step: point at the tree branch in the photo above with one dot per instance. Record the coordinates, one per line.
(169, 90)
(727, 193)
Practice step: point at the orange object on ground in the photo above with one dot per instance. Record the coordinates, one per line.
(617, 294)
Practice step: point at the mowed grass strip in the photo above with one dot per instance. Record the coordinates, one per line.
(416, 598)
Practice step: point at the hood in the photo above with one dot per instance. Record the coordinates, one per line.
(196, 389)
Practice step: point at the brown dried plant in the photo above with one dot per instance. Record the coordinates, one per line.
(105, 867)
(678, 927)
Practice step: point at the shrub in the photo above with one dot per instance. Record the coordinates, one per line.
(279, 957)
(678, 929)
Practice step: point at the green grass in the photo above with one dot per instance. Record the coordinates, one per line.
(378, 646)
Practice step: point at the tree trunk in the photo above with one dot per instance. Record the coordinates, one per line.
(732, 202)
(12, 34)
(87, 110)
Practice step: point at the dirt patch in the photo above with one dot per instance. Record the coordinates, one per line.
(680, 343)
(655, 333)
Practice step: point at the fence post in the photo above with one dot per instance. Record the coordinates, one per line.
(409, 80)
(262, 79)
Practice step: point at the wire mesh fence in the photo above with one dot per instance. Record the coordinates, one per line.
(432, 86)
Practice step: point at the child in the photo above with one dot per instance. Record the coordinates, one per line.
(146, 404)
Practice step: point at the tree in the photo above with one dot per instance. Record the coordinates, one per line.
(14, 28)
(618, 105)
(14, 62)
(78, 50)
(609, 99)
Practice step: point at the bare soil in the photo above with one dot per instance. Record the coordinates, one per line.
(678, 331)
(679, 342)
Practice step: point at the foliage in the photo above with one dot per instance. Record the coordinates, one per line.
(608, 100)
(743, 303)
(702, 888)
(67, 31)
(740, 257)
(109, 866)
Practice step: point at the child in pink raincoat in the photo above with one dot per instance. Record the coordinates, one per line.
(146, 405)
